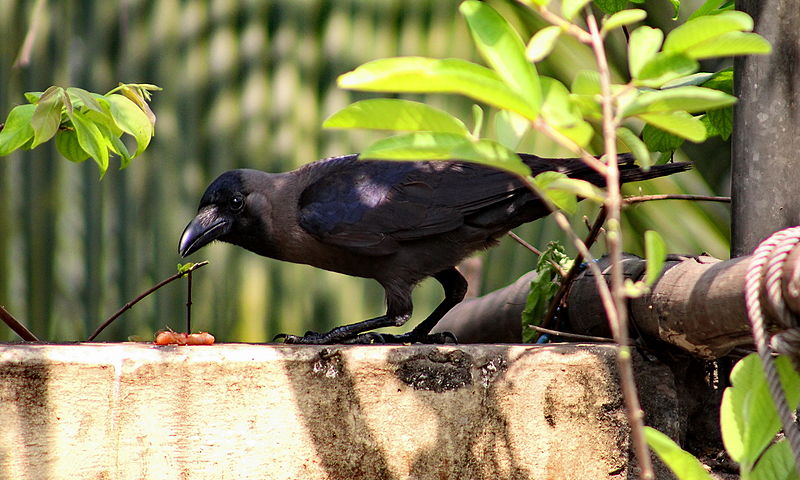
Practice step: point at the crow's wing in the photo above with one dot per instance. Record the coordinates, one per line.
(370, 206)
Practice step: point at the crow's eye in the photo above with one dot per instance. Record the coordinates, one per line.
(236, 203)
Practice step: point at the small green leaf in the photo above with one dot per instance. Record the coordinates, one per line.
(722, 81)
(682, 463)
(185, 267)
(731, 44)
(721, 120)
(47, 116)
(636, 146)
(543, 288)
(656, 254)
(586, 82)
(542, 43)
(658, 140)
(622, 18)
(491, 153)
(131, 120)
(681, 124)
(690, 99)
(560, 198)
(91, 140)
(33, 97)
(581, 132)
(503, 50)
(428, 75)
(81, 97)
(700, 29)
(707, 8)
(17, 130)
(665, 67)
(570, 8)
(579, 187)
(397, 115)
(477, 120)
(611, 6)
(68, 146)
(557, 108)
(643, 45)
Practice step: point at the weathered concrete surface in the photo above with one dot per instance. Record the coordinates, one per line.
(136, 411)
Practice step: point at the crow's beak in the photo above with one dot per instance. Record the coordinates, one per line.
(206, 227)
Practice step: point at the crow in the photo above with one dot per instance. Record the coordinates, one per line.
(395, 222)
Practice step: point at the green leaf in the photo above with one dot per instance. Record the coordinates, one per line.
(665, 67)
(557, 108)
(722, 81)
(586, 82)
(777, 463)
(622, 18)
(581, 132)
(580, 188)
(570, 8)
(676, 8)
(47, 116)
(636, 146)
(428, 75)
(611, 6)
(560, 198)
(68, 146)
(81, 97)
(33, 97)
(543, 288)
(721, 120)
(731, 44)
(445, 146)
(658, 140)
(656, 254)
(681, 124)
(690, 99)
(706, 8)
(477, 119)
(748, 417)
(682, 463)
(503, 50)
(542, 43)
(700, 29)
(91, 140)
(397, 115)
(17, 130)
(643, 45)
(510, 128)
(693, 79)
(131, 120)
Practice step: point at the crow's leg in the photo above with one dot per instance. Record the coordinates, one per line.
(455, 287)
(398, 311)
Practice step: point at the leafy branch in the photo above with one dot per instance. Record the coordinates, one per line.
(83, 124)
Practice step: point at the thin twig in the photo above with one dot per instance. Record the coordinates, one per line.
(573, 336)
(537, 252)
(18, 328)
(37, 14)
(147, 292)
(566, 280)
(189, 302)
(668, 196)
(619, 327)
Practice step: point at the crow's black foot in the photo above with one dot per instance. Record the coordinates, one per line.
(407, 338)
(310, 338)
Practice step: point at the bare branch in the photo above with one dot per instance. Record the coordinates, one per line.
(18, 328)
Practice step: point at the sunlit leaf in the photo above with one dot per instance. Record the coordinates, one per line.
(47, 116)
(131, 120)
(611, 6)
(542, 43)
(664, 67)
(477, 120)
(17, 130)
(491, 153)
(700, 29)
(581, 132)
(655, 253)
(658, 140)
(503, 49)
(570, 8)
(682, 463)
(642, 47)
(730, 44)
(681, 124)
(580, 188)
(557, 108)
(510, 128)
(636, 146)
(560, 198)
(690, 99)
(777, 463)
(706, 8)
(622, 18)
(395, 114)
(33, 97)
(81, 97)
(139, 95)
(586, 82)
(428, 75)
(91, 140)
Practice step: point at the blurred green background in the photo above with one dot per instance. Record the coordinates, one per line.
(246, 84)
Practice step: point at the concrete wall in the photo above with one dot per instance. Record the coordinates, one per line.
(138, 411)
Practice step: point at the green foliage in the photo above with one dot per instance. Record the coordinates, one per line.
(84, 124)
(666, 93)
(749, 424)
(543, 288)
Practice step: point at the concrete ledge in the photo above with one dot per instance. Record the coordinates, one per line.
(235, 411)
